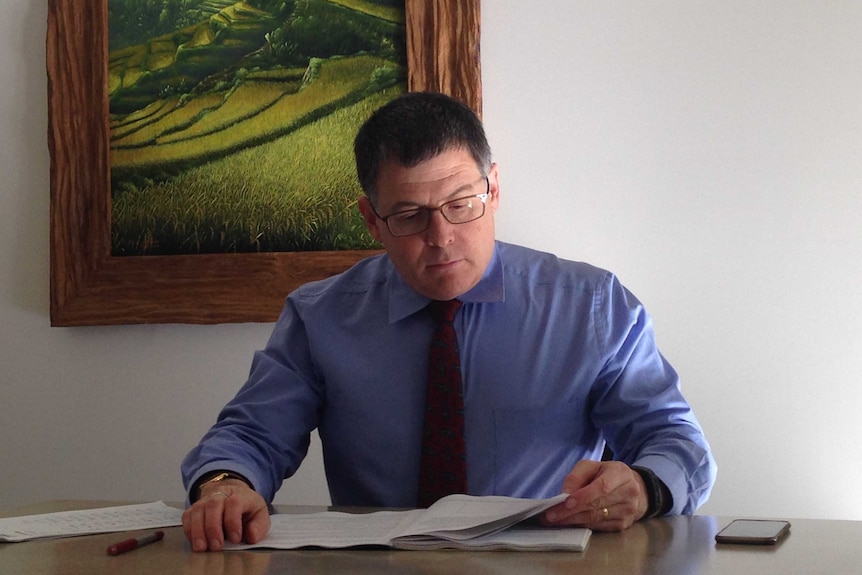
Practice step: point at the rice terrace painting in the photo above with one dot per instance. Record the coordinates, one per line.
(232, 122)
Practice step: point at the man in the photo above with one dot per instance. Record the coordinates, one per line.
(557, 359)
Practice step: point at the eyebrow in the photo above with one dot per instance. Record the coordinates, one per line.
(405, 205)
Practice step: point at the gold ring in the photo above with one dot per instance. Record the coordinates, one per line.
(605, 512)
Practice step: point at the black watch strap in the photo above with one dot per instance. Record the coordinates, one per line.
(659, 499)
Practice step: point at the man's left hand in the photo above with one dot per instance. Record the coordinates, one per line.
(603, 495)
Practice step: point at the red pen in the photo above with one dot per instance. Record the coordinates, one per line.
(134, 543)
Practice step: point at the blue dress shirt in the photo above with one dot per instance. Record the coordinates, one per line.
(557, 358)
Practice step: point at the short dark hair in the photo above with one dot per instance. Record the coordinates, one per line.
(413, 128)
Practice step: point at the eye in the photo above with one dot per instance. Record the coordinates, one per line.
(460, 205)
(406, 216)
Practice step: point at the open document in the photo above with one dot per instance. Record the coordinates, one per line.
(456, 522)
(90, 521)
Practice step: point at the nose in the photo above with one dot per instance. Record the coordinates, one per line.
(439, 232)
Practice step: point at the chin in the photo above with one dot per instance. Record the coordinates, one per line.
(446, 290)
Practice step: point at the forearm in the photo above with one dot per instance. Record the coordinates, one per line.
(647, 421)
(263, 433)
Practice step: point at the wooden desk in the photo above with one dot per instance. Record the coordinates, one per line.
(664, 546)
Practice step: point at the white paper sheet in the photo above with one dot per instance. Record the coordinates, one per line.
(456, 518)
(332, 529)
(90, 521)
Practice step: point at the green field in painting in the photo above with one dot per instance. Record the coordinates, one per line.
(218, 145)
(259, 199)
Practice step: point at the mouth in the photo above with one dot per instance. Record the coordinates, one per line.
(443, 265)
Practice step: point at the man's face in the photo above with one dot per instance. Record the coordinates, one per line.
(446, 260)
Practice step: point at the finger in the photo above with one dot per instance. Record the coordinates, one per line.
(587, 513)
(246, 517)
(213, 506)
(590, 516)
(615, 513)
(258, 525)
(614, 518)
(582, 474)
(610, 483)
(193, 526)
(234, 509)
(187, 523)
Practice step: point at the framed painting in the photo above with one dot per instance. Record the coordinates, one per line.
(92, 286)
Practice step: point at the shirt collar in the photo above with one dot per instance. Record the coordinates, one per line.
(403, 301)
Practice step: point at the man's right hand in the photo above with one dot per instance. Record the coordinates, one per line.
(226, 509)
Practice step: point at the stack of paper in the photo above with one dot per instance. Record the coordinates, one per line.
(456, 522)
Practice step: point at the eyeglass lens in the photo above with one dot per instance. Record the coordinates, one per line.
(457, 211)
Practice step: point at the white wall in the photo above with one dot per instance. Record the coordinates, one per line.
(710, 153)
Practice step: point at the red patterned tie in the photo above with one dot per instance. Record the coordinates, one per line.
(443, 468)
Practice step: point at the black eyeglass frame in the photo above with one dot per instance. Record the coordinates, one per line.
(429, 210)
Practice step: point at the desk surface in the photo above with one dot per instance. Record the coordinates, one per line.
(667, 545)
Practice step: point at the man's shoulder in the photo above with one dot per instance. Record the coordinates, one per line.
(545, 267)
(363, 276)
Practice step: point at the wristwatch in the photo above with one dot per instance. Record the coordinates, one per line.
(216, 476)
(659, 499)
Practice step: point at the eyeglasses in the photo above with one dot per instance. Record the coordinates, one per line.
(457, 211)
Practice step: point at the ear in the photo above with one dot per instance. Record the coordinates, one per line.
(372, 222)
(494, 186)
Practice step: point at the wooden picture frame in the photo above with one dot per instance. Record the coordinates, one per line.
(91, 287)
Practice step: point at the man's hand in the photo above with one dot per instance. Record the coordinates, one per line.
(226, 508)
(603, 495)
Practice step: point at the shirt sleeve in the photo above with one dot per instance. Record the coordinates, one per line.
(263, 433)
(639, 406)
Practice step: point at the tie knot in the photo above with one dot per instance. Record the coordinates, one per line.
(444, 310)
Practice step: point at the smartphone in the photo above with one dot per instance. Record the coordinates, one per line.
(753, 531)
